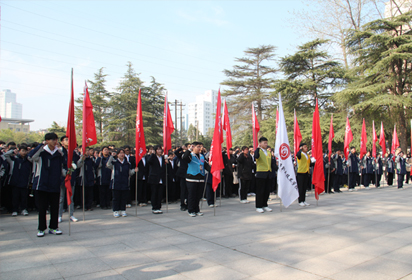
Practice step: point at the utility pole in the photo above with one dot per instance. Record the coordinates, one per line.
(176, 132)
(181, 124)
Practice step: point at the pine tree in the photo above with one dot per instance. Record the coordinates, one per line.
(381, 79)
(310, 74)
(250, 82)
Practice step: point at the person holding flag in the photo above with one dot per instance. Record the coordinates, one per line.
(263, 175)
(303, 177)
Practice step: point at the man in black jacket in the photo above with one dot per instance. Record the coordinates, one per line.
(157, 178)
(181, 173)
(245, 167)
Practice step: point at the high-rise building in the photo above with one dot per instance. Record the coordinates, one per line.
(9, 108)
(201, 113)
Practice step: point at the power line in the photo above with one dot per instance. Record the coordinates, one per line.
(114, 36)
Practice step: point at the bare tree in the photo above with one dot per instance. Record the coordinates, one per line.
(331, 19)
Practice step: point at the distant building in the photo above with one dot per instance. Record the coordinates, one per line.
(18, 125)
(9, 108)
(201, 113)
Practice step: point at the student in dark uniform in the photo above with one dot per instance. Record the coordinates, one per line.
(103, 178)
(157, 178)
(142, 175)
(20, 173)
(120, 181)
(245, 168)
(400, 167)
(87, 167)
(171, 178)
(181, 173)
(369, 170)
(303, 177)
(50, 167)
(378, 170)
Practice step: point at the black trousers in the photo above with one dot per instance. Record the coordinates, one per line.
(132, 191)
(303, 183)
(379, 177)
(400, 180)
(142, 191)
(88, 197)
(262, 192)
(44, 200)
(243, 188)
(183, 193)
(210, 196)
(408, 176)
(104, 193)
(171, 190)
(96, 196)
(120, 199)
(157, 194)
(390, 178)
(228, 178)
(352, 179)
(19, 199)
(194, 193)
(7, 197)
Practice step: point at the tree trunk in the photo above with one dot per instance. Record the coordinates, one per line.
(402, 131)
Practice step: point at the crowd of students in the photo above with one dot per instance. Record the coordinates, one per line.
(32, 177)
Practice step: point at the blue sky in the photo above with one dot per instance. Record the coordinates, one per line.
(185, 45)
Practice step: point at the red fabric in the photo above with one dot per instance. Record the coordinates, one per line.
(318, 177)
(382, 141)
(363, 141)
(0, 118)
(168, 128)
(140, 140)
(256, 128)
(226, 127)
(89, 126)
(297, 136)
(71, 134)
(374, 139)
(395, 141)
(331, 136)
(348, 138)
(216, 149)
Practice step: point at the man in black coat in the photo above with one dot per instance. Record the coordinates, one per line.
(181, 173)
(157, 178)
(245, 168)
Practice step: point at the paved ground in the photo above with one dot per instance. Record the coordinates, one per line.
(360, 235)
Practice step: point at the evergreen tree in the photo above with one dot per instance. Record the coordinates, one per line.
(381, 79)
(56, 128)
(249, 82)
(310, 74)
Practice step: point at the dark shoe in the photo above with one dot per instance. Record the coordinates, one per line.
(183, 209)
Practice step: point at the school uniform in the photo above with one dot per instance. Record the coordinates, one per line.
(338, 175)
(6, 189)
(245, 173)
(227, 176)
(132, 192)
(181, 173)
(63, 191)
(195, 179)
(142, 176)
(171, 180)
(303, 175)
(20, 172)
(353, 162)
(103, 181)
(379, 171)
(368, 170)
(119, 183)
(391, 169)
(87, 175)
(50, 167)
(157, 180)
(263, 177)
(400, 170)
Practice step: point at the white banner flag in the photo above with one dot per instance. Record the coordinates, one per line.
(287, 184)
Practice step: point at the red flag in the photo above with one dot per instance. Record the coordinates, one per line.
(395, 141)
(226, 127)
(256, 128)
(140, 141)
(71, 134)
(216, 148)
(382, 141)
(363, 141)
(318, 176)
(331, 136)
(277, 120)
(0, 118)
(374, 139)
(297, 136)
(168, 128)
(89, 126)
(348, 138)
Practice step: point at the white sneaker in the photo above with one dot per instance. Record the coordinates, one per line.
(302, 204)
(260, 210)
(267, 209)
(199, 214)
(192, 214)
(116, 214)
(367, 188)
(243, 201)
(14, 214)
(60, 219)
(40, 233)
(124, 214)
(128, 205)
(211, 205)
(24, 212)
(306, 194)
(73, 219)
(306, 204)
(350, 190)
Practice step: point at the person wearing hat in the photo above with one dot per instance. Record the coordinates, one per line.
(303, 177)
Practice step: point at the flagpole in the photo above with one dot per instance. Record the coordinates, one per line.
(137, 176)
(220, 189)
(214, 205)
(204, 191)
(167, 200)
(329, 178)
(84, 215)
